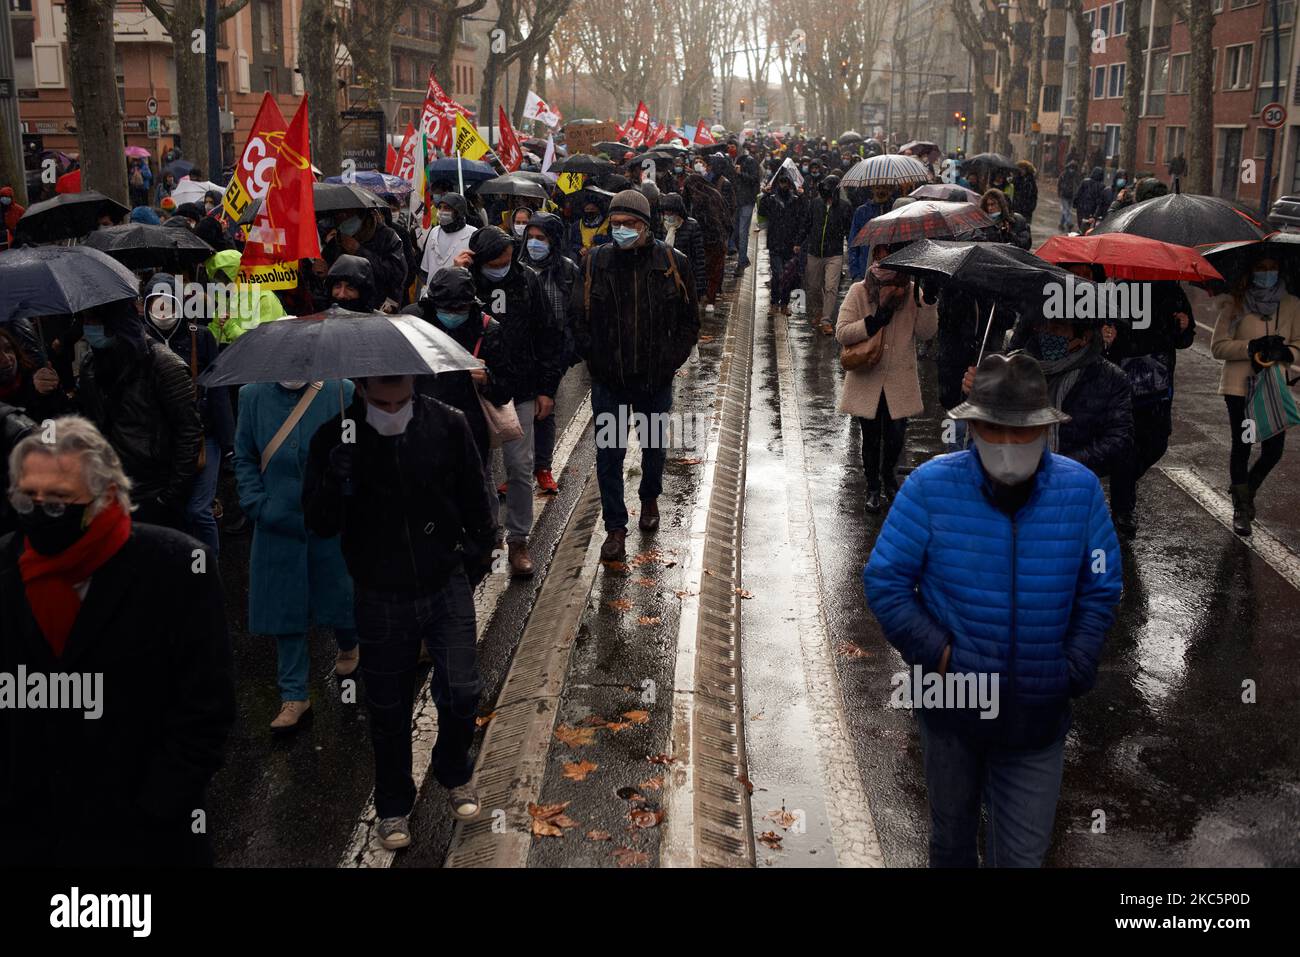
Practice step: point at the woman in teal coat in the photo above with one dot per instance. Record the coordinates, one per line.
(296, 580)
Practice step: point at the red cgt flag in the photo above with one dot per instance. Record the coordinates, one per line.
(510, 153)
(284, 229)
(639, 128)
(702, 135)
(404, 165)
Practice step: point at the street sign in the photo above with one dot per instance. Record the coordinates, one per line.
(153, 126)
(151, 106)
(1273, 116)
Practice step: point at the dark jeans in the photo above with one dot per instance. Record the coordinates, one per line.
(715, 259)
(779, 295)
(1239, 456)
(543, 442)
(606, 405)
(1019, 789)
(390, 627)
(882, 444)
(1152, 425)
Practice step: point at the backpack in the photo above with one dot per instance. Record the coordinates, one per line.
(1068, 185)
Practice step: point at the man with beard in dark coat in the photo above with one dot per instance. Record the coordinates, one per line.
(127, 619)
(785, 211)
(636, 320)
(534, 345)
(364, 233)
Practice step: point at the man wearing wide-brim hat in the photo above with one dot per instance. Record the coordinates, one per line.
(996, 576)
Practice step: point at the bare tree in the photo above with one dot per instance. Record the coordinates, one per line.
(1199, 15)
(448, 14)
(92, 82)
(368, 33)
(1034, 13)
(180, 18)
(756, 34)
(1082, 81)
(521, 45)
(971, 29)
(318, 61)
(1135, 45)
(623, 49)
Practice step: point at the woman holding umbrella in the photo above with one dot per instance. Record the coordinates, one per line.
(1258, 326)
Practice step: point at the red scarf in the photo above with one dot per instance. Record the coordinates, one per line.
(49, 578)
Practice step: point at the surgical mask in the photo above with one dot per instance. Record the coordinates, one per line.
(350, 226)
(436, 198)
(51, 535)
(519, 229)
(803, 168)
(672, 222)
(293, 386)
(446, 217)
(496, 272)
(96, 337)
(1010, 463)
(1264, 279)
(625, 236)
(1119, 183)
(165, 323)
(679, 170)
(390, 423)
(538, 249)
(591, 220)
(452, 320)
(701, 168)
(5, 201)
(995, 216)
(1052, 347)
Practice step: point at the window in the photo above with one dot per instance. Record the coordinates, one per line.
(1117, 72)
(265, 27)
(1070, 73)
(1099, 83)
(1214, 70)
(1236, 66)
(1090, 17)
(1218, 8)
(397, 69)
(1179, 75)
(269, 83)
(993, 103)
(1055, 48)
(1265, 93)
(1104, 22)
(1157, 79)
(1051, 99)
(1112, 140)
(1238, 4)
(1119, 18)
(1175, 142)
(1152, 135)
(1263, 142)
(1018, 121)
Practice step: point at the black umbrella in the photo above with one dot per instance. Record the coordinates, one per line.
(1232, 259)
(67, 216)
(582, 163)
(611, 149)
(141, 246)
(332, 197)
(178, 168)
(997, 269)
(1184, 220)
(512, 184)
(337, 344)
(707, 148)
(659, 156)
(848, 137)
(60, 280)
(987, 162)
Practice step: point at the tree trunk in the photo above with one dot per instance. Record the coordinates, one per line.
(1135, 49)
(92, 81)
(1037, 14)
(525, 83)
(191, 104)
(1006, 99)
(1200, 121)
(1082, 85)
(317, 42)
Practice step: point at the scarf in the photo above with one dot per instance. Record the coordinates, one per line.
(1063, 374)
(1264, 301)
(49, 579)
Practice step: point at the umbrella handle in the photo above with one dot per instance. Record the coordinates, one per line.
(987, 330)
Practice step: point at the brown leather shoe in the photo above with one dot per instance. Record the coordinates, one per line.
(615, 547)
(649, 515)
(521, 563)
(293, 714)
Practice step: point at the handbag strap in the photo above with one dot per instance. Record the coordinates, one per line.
(194, 358)
(295, 416)
(479, 344)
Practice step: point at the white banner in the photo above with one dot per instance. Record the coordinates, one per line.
(537, 109)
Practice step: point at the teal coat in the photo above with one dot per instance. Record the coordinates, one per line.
(296, 579)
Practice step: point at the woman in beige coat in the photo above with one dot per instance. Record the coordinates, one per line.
(884, 395)
(1260, 320)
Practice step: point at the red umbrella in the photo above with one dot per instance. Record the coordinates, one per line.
(923, 219)
(68, 182)
(1129, 256)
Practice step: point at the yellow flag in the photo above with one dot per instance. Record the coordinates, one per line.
(468, 143)
(570, 183)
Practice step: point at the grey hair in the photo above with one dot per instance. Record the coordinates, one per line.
(75, 435)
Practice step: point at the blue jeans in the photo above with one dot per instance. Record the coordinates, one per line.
(293, 661)
(1067, 214)
(198, 511)
(543, 442)
(1019, 788)
(611, 449)
(744, 215)
(392, 628)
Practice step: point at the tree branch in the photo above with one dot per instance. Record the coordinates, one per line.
(230, 9)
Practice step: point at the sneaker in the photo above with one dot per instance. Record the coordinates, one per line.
(293, 715)
(546, 482)
(464, 802)
(709, 309)
(345, 662)
(395, 832)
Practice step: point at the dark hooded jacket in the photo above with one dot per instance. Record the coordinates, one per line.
(557, 274)
(786, 218)
(827, 223)
(534, 343)
(383, 249)
(1093, 198)
(709, 209)
(746, 180)
(688, 240)
(721, 171)
(357, 272)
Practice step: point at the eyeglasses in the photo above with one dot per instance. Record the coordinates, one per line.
(54, 507)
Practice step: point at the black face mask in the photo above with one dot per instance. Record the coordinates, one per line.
(48, 535)
(591, 222)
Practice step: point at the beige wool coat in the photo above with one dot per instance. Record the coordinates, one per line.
(895, 375)
(1231, 344)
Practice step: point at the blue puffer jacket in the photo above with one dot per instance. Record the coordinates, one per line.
(942, 572)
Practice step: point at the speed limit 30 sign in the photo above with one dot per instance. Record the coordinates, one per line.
(1273, 116)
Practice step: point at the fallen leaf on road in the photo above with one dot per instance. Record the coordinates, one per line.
(627, 857)
(660, 759)
(598, 836)
(749, 785)
(706, 338)
(756, 717)
(578, 770)
(849, 650)
(744, 593)
(644, 817)
(637, 717)
(629, 794)
(615, 566)
(648, 557)
(592, 721)
(670, 564)
(685, 594)
(646, 582)
(620, 604)
(771, 839)
(543, 829)
(648, 620)
(484, 719)
(617, 726)
(690, 461)
(652, 784)
(550, 819)
(781, 817)
(575, 737)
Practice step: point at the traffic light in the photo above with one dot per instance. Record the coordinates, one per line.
(742, 106)
(844, 69)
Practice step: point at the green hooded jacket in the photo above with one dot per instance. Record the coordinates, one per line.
(240, 314)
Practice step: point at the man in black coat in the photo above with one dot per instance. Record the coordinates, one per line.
(364, 233)
(828, 220)
(746, 196)
(685, 234)
(127, 619)
(785, 211)
(534, 347)
(407, 495)
(636, 320)
(1093, 198)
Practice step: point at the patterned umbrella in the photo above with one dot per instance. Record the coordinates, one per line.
(944, 191)
(924, 219)
(891, 169)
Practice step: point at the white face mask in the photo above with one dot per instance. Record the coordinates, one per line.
(1008, 463)
(163, 315)
(390, 423)
(293, 386)
(519, 229)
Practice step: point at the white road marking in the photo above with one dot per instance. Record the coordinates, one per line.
(361, 850)
(1262, 542)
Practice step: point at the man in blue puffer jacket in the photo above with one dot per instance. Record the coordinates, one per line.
(998, 564)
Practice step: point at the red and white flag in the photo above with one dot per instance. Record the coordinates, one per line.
(509, 151)
(438, 118)
(284, 229)
(702, 135)
(405, 165)
(639, 128)
(535, 108)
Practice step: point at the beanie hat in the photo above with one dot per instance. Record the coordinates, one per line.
(631, 202)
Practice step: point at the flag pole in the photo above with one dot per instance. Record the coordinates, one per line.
(460, 175)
